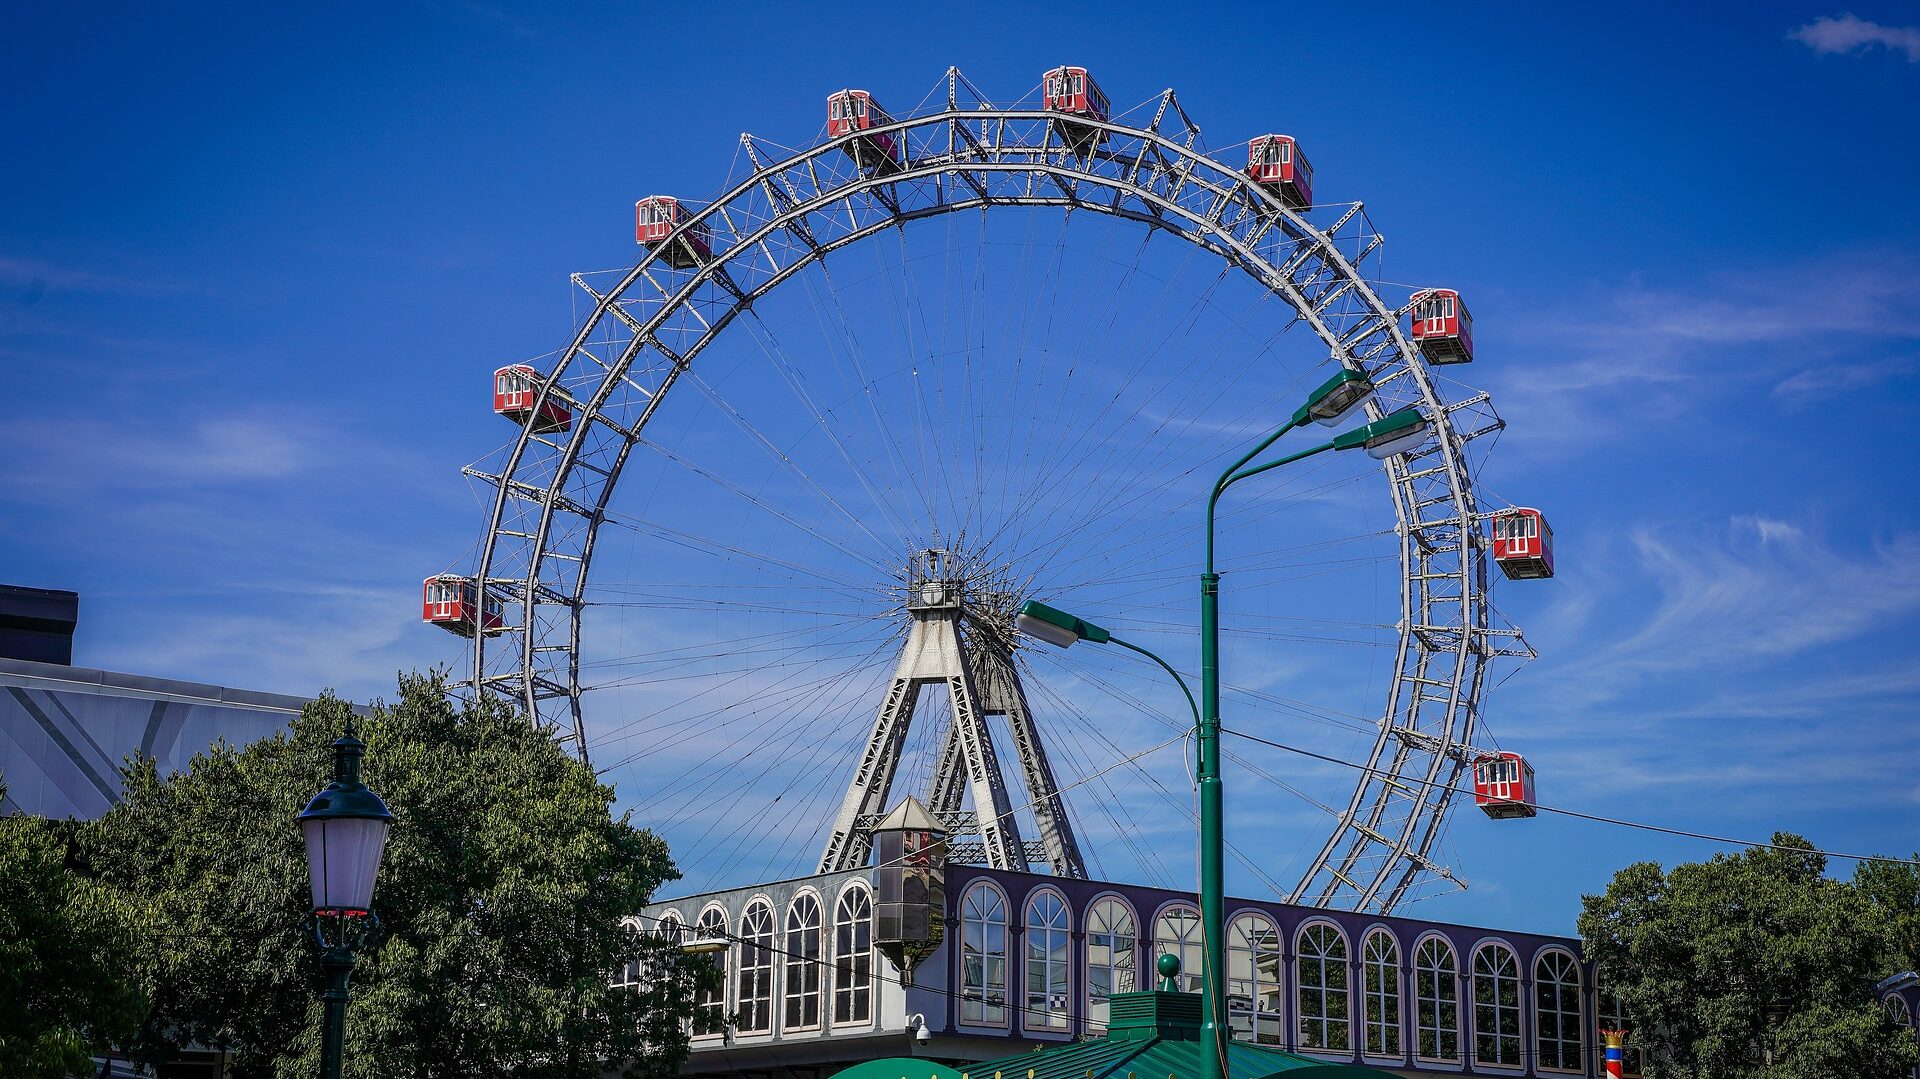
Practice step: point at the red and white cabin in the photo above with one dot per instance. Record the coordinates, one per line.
(855, 110)
(1276, 161)
(1070, 90)
(1441, 326)
(514, 389)
(1503, 786)
(453, 603)
(1523, 544)
(654, 219)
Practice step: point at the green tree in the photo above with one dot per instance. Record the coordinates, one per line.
(501, 894)
(1725, 965)
(64, 947)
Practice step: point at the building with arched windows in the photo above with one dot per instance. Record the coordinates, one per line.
(1030, 960)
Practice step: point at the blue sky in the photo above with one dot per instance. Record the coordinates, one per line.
(255, 267)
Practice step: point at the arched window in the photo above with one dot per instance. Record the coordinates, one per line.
(1112, 945)
(983, 932)
(1556, 1012)
(1253, 980)
(628, 976)
(853, 957)
(1380, 984)
(1436, 1001)
(1898, 1011)
(754, 986)
(1614, 1017)
(1496, 1007)
(803, 962)
(1048, 945)
(1324, 1015)
(710, 1002)
(1177, 933)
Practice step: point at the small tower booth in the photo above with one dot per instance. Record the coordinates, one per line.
(1523, 544)
(654, 219)
(1503, 786)
(453, 603)
(909, 886)
(1071, 92)
(516, 387)
(855, 112)
(1441, 326)
(1275, 161)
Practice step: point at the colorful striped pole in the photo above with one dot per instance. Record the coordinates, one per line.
(1616, 1051)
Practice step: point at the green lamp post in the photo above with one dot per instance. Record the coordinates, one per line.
(345, 827)
(1333, 401)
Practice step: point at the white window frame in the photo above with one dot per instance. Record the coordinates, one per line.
(1331, 1004)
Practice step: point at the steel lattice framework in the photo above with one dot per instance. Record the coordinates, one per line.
(795, 207)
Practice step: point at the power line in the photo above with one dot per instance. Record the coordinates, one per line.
(1594, 816)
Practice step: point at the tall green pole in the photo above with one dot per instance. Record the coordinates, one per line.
(1213, 899)
(337, 963)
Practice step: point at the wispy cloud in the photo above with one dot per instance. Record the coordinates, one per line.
(1817, 384)
(38, 277)
(210, 451)
(1837, 34)
(1759, 590)
(1653, 353)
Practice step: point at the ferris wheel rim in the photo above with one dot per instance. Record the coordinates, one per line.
(1406, 855)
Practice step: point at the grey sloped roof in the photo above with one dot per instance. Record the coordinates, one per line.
(66, 731)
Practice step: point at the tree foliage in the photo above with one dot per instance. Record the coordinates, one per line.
(1725, 965)
(501, 895)
(64, 945)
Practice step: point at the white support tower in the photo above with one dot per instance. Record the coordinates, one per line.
(964, 643)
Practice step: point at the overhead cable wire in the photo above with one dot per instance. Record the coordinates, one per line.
(1595, 817)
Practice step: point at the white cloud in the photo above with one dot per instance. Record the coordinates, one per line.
(1825, 382)
(1634, 354)
(1836, 34)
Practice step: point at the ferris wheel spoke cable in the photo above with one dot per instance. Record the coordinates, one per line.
(1061, 448)
(759, 503)
(783, 685)
(781, 458)
(728, 552)
(1143, 708)
(903, 473)
(1122, 479)
(691, 792)
(1146, 855)
(1125, 828)
(1183, 806)
(792, 376)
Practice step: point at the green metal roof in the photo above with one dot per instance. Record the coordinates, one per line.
(1155, 1035)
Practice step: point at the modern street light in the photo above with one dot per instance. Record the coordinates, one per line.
(345, 826)
(1060, 629)
(1332, 401)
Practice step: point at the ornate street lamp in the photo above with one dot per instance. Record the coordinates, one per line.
(345, 827)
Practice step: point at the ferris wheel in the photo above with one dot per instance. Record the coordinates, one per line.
(800, 462)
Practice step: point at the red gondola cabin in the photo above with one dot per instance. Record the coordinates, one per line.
(453, 603)
(514, 390)
(1503, 786)
(1072, 92)
(654, 219)
(1276, 161)
(1441, 326)
(1523, 544)
(851, 111)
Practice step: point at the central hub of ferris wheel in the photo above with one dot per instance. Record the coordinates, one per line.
(959, 637)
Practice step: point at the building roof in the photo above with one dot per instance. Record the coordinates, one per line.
(66, 731)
